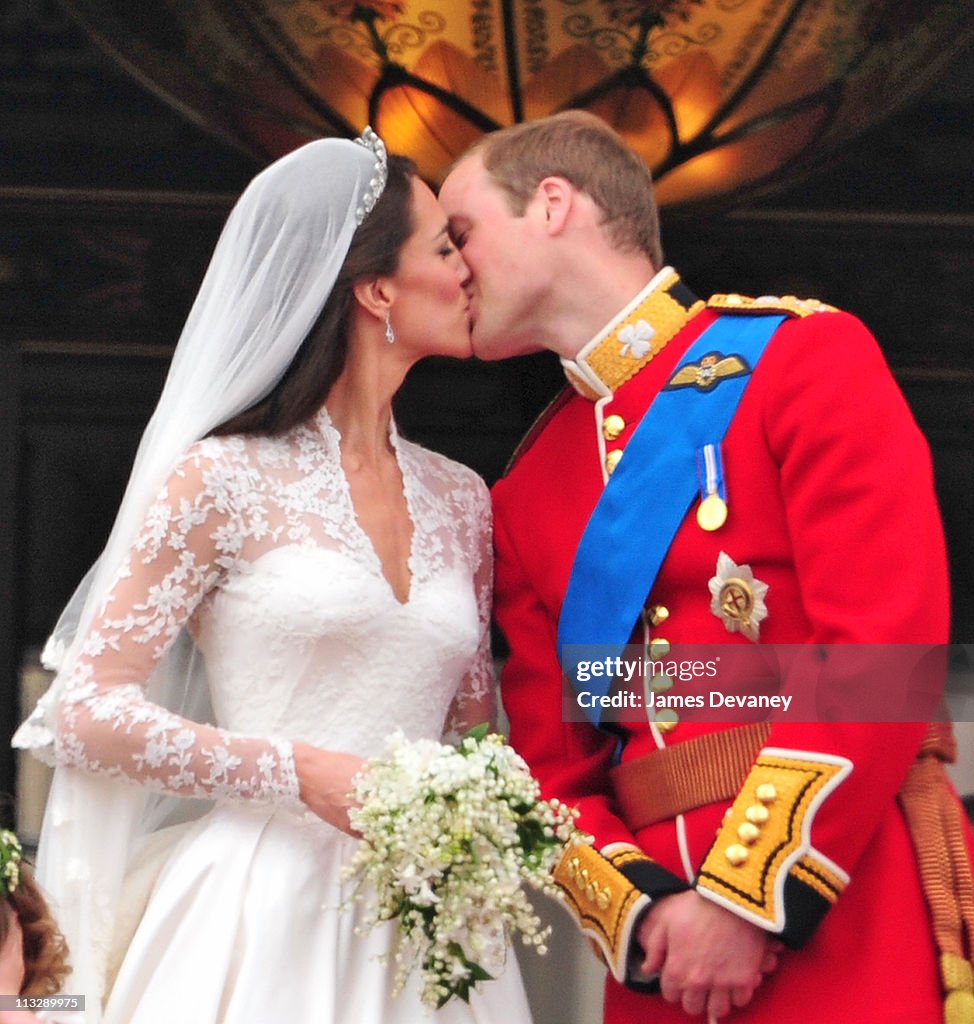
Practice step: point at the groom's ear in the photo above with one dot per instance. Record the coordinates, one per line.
(555, 197)
(374, 296)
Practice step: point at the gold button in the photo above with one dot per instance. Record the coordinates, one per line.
(603, 899)
(734, 300)
(766, 793)
(666, 727)
(658, 614)
(749, 833)
(661, 682)
(667, 719)
(757, 814)
(612, 460)
(613, 426)
(658, 649)
(736, 854)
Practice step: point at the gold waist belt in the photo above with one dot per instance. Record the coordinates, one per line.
(680, 778)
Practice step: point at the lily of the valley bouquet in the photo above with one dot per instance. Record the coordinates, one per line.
(449, 835)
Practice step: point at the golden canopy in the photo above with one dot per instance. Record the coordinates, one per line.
(720, 97)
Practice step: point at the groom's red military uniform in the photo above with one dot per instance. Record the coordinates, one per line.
(831, 505)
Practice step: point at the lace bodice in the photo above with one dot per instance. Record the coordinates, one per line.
(254, 546)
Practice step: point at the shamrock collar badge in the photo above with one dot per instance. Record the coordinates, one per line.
(737, 597)
(636, 339)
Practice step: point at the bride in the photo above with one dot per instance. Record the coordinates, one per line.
(286, 566)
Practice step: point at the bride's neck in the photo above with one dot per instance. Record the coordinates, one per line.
(360, 405)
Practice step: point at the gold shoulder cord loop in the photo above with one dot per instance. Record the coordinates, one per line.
(936, 824)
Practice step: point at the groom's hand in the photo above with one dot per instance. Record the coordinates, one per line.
(325, 781)
(707, 958)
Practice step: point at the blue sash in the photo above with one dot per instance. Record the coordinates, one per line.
(648, 496)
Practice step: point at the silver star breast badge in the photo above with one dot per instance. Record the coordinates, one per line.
(737, 597)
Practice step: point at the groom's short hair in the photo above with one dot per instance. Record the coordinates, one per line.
(584, 150)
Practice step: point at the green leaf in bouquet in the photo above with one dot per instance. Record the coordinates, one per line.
(478, 732)
(462, 987)
(531, 835)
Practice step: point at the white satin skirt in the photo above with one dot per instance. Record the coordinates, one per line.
(243, 917)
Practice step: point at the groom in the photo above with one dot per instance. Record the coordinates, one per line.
(773, 864)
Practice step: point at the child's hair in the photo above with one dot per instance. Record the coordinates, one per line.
(45, 951)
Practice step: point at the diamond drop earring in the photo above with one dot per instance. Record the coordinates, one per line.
(390, 333)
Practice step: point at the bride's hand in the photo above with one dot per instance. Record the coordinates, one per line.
(325, 781)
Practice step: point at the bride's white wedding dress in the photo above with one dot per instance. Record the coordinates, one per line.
(241, 916)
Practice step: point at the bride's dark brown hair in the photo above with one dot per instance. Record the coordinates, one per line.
(374, 252)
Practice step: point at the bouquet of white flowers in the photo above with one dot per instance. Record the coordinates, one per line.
(449, 834)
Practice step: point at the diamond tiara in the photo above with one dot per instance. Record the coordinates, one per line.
(375, 145)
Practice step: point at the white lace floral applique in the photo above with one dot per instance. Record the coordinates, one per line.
(253, 545)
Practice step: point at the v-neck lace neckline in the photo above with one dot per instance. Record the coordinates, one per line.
(332, 437)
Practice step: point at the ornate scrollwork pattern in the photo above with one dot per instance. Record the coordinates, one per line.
(401, 37)
(613, 42)
(357, 29)
(675, 44)
(635, 34)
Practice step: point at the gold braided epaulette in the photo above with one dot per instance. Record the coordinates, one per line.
(787, 304)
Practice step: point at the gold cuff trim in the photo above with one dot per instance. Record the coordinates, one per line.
(816, 875)
(766, 834)
(603, 901)
(623, 855)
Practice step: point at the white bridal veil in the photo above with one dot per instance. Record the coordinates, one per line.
(271, 273)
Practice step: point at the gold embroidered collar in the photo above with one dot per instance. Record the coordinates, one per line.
(634, 337)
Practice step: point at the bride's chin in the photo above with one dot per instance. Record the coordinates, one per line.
(464, 341)
(458, 346)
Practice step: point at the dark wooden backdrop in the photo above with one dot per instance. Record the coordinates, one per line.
(110, 204)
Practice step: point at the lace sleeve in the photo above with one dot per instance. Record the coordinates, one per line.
(475, 701)
(190, 539)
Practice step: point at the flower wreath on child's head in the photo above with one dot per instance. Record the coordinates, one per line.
(11, 855)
